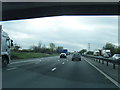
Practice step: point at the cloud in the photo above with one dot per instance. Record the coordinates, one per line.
(72, 32)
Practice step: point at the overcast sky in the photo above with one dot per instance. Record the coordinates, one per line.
(72, 32)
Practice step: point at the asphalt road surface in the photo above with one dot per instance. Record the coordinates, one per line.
(53, 72)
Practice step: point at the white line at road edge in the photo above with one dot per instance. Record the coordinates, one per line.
(11, 69)
(53, 69)
(108, 77)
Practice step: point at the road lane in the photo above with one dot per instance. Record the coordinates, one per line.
(71, 74)
(77, 74)
(26, 72)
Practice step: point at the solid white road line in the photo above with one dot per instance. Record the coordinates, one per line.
(108, 77)
(11, 69)
(53, 69)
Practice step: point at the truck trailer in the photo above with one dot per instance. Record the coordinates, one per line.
(6, 44)
(104, 52)
(96, 53)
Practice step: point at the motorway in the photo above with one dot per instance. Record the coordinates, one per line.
(53, 72)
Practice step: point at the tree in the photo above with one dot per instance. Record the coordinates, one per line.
(52, 47)
(34, 48)
(44, 46)
(59, 48)
(111, 47)
(39, 46)
(43, 49)
(16, 47)
(82, 51)
(90, 52)
(117, 50)
(47, 50)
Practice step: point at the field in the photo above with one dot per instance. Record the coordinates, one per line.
(26, 55)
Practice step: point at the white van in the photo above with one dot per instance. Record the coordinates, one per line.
(6, 44)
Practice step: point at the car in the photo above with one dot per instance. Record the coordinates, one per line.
(63, 55)
(106, 56)
(76, 57)
(116, 56)
(68, 53)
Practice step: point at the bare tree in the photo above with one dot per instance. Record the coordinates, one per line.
(52, 46)
(16, 47)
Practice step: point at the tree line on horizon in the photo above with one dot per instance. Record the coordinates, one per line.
(54, 49)
(41, 48)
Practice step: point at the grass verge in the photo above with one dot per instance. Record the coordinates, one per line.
(27, 55)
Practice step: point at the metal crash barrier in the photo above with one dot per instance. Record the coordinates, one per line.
(102, 60)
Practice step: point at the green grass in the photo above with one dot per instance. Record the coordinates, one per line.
(26, 55)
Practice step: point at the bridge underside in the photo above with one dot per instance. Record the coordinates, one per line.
(22, 10)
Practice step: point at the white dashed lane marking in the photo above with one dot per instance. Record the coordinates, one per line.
(53, 69)
(11, 69)
(63, 63)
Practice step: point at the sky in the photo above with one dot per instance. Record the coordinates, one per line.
(71, 32)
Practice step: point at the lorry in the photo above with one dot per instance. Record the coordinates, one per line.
(105, 52)
(6, 44)
(64, 51)
(96, 52)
